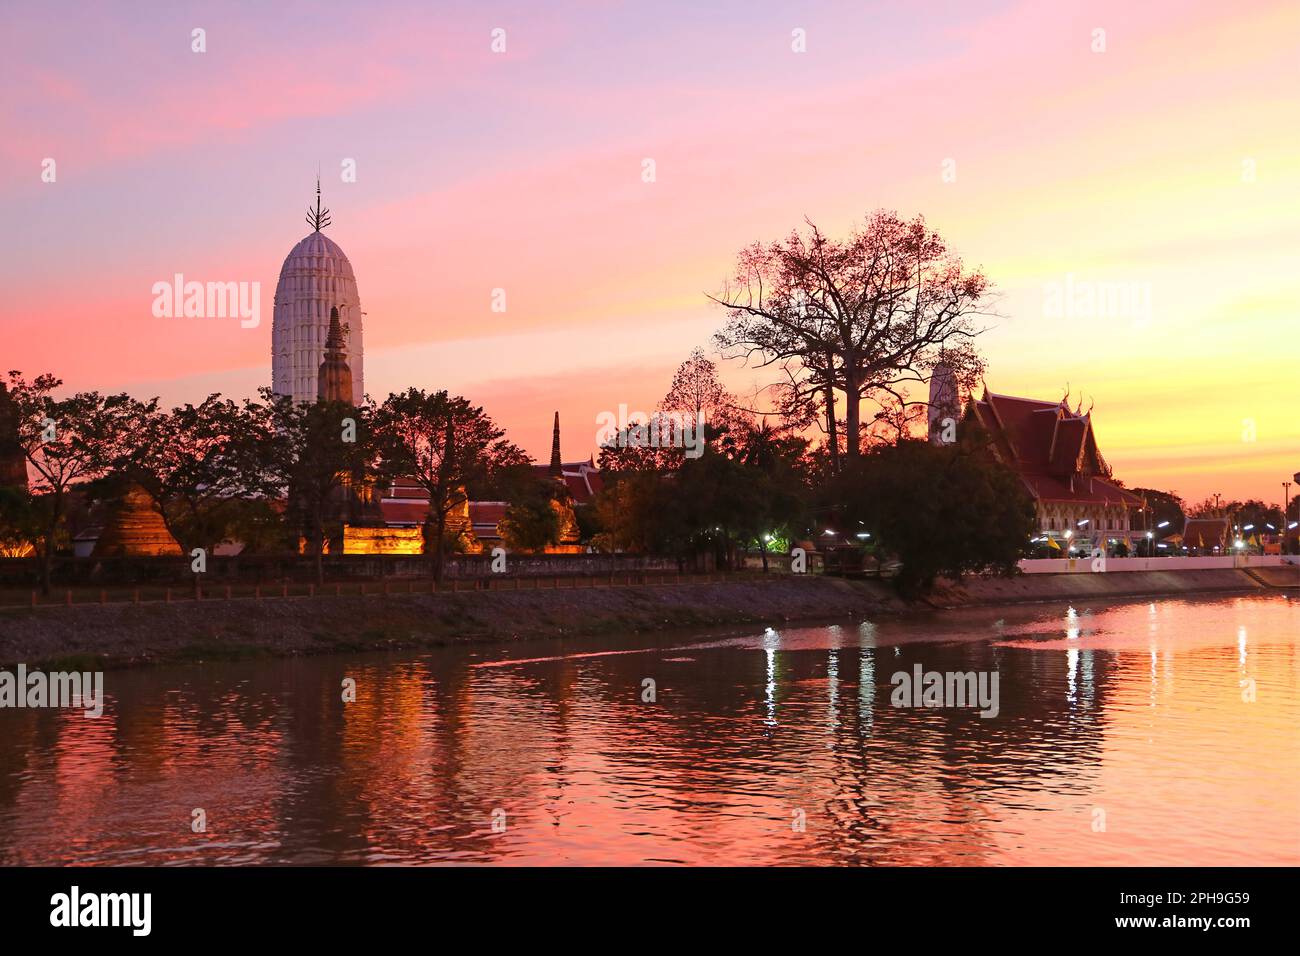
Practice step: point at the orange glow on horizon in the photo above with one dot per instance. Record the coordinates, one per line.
(1167, 164)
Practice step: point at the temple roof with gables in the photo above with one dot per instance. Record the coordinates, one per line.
(582, 478)
(1051, 447)
(1205, 533)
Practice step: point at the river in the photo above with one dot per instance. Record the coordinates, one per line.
(1164, 732)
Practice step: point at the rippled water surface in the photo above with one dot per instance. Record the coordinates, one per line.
(1123, 737)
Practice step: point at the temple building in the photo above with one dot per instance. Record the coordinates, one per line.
(561, 499)
(404, 505)
(1206, 535)
(334, 377)
(1054, 451)
(316, 354)
(315, 279)
(354, 510)
(944, 407)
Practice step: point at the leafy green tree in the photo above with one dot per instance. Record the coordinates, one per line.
(66, 441)
(943, 510)
(259, 524)
(1161, 507)
(445, 445)
(775, 463)
(317, 451)
(697, 409)
(530, 522)
(201, 464)
(1253, 520)
(631, 510)
(21, 521)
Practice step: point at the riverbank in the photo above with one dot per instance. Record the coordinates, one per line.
(1028, 588)
(124, 635)
(119, 635)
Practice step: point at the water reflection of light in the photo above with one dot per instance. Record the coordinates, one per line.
(833, 678)
(771, 641)
(866, 634)
(1241, 645)
(867, 689)
(1089, 681)
(1072, 624)
(1072, 677)
(1154, 678)
(832, 691)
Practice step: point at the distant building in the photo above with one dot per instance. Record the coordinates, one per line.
(1054, 451)
(316, 278)
(404, 504)
(317, 354)
(581, 479)
(944, 407)
(1206, 535)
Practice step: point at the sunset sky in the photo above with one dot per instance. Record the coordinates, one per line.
(1169, 163)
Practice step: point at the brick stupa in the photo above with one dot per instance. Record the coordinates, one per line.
(135, 529)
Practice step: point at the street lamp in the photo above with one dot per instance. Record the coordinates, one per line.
(1286, 507)
(1151, 551)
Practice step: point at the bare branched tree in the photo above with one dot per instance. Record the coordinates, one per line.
(860, 318)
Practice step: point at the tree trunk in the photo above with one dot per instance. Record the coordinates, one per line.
(46, 560)
(47, 552)
(318, 542)
(852, 415)
(832, 431)
(441, 529)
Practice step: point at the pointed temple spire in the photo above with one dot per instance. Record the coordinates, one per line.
(557, 469)
(318, 218)
(334, 379)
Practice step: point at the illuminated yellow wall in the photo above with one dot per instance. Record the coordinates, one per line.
(382, 540)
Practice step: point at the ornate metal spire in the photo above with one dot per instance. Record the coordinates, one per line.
(318, 218)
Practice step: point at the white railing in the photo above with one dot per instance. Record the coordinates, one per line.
(1085, 563)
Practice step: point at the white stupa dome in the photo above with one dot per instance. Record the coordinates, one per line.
(316, 276)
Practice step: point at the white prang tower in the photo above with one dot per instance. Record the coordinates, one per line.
(943, 405)
(316, 276)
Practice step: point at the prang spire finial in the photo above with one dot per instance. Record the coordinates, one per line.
(557, 469)
(318, 218)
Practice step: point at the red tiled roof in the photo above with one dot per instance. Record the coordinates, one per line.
(1052, 448)
(487, 512)
(404, 512)
(1095, 490)
(485, 517)
(581, 478)
(1205, 533)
